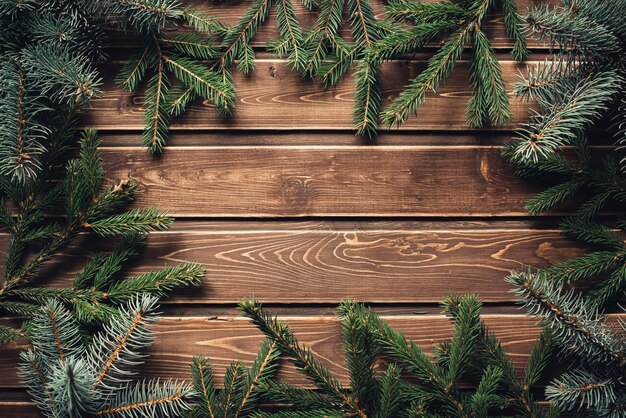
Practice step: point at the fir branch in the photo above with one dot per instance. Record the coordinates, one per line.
(554, 196)
(591, 232)
(133, 71)
(326, 28)
(613, 285)
(101, 270)
(367, 100)
(391, 392)
(202, 376)
(238, 37)
(556, 27)
(291, 40)
(204, 83)
(202, 22)
(335, 67)
(473, 351)
(419, 13)
(300, 355)
(192, 44)
(69, 383)
(18, 307)
(33, 375)
(405, 41)
(577, 325)
(21, 133)
(60, 75)
(145, 15)
(119, 342)
(179, 98)
(582, 388)
(157, 115)
(489, 103)
(136, 221)
(263, 368)
(158, 282)
(363, 23)
(73, 384)
(233, 386)
(298, 398)
(589, 265)
(439, 68)
(513, 23)
(465, 336)
(360, 349)
(59, 333)
(581, 84)
(547, 133)
(149, 398)
(314, 413)
(485, 396)
(8, 334)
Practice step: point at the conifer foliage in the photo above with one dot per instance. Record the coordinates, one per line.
(177, 67)
(473, 354)
(242, 385)
(47, 76)
(90, 206)
(70, 376)
(579, 92)
(165, 57)
(457, 24)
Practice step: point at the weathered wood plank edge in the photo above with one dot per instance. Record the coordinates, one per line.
(224, 339)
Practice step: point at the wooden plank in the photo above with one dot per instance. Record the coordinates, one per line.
(324, 181)
(325, 266)
(230, 13)
(227, 339)
(28, 410)
(19, 410)
(319, 138)
(275, 98)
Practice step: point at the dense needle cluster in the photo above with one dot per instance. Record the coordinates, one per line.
(70, 375)
(579, 91)
(242, 390)
(436, 385)
(47, 78)
(458, 25)
(90, 207)
(186, 54)
(164, 58)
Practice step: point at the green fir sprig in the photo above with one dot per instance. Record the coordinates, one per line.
(579, 93)
(472, 355)
(70, 376)
(37, 237)
(458, 26)
(242, 385)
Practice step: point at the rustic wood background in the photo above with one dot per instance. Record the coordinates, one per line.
(283, 202)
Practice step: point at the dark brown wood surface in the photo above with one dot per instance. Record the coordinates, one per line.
(325, 265)
(295, 181)
(283, 202)
(276, 98)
